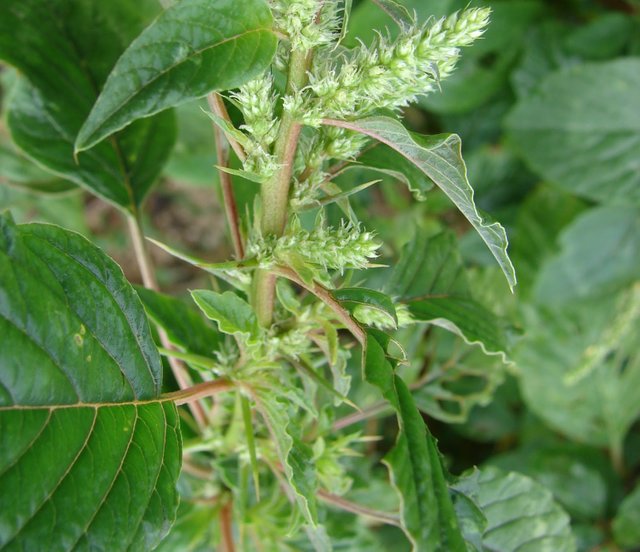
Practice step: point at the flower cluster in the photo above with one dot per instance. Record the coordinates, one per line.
(257, 101)
(389, 74)
(306, 25)
(345, 247)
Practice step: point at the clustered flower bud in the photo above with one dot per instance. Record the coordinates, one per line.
(257, 101)
(390, 74)
(345, 247)
(307, 23)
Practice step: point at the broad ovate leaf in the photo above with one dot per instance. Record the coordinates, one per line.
(79, 401)
(426, 511)
(192, 48)
(626, 524)
(440, 158)
(520, 514)
(580, 129)
(50, 101)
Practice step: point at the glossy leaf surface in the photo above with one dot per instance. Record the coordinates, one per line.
(193, 48)
(79, 384)
(51, 100)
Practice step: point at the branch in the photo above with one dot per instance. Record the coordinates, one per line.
(325, 296)
(199, 391)
(222, 153)
(149, 280)
(217, 106)
(226, 526)
(358, 509)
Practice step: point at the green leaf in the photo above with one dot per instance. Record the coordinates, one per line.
(579, 477)
(580, 129)
(185, 326)
(232, 314)
(295, 455)
(386, 160)
(579, 368)
(191, 49)
(466, 318)
(354, 298)
(598, 254)
(79, 385)
(431, 279)
(440, 158)
(51, 100)
(626, 524)
(521, 514)
(18, 171)
(397, 12)
(427, 513)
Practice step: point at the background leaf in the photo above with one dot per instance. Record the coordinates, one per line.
(79, 381)
(580, 129)
(51, 101)
(193, 48)
(521, 514)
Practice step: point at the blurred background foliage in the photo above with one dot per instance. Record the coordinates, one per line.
(548, 108)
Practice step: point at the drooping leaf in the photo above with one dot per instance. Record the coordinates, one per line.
(397, 12)
(192, 48)
(580, 129)
(51, 100)
(232, 314)
(426, 510)
(185, 326)
(520, 514)
(440, 158)
(79, 385)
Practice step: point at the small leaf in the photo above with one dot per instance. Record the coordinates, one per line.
(427, 513)
(440, 158)
(191, 49)
(352, 298)
(79, 383)
(397, 12)
(185, 326)
(233, 315)
(521, 514)
(50, 101)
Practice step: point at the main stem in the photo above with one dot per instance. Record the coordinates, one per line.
(275, 191)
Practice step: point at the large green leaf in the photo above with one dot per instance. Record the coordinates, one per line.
(80, 418)
(598, 254)
(48, 107)
(193, 48)
(580, 129)
(427, 514)
(520, 514)
(440, 158)
(579, 368)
